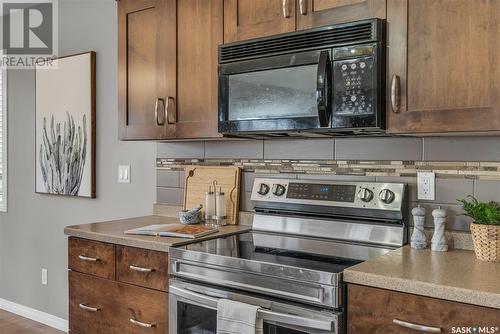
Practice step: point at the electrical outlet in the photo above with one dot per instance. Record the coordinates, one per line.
(124, 173)
(426, 183)
(44, 276)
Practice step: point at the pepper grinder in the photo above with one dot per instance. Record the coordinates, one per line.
(418, 239)
(438, 243)
(220, 207)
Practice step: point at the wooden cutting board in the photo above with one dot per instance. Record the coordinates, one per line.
(199, 178)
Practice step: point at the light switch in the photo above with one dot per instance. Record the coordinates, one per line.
(124, 173)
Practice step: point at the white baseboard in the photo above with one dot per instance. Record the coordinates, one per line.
(35, 315)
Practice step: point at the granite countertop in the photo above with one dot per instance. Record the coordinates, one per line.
(112, 232)
(455, 275)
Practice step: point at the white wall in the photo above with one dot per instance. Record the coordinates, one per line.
(31, 233)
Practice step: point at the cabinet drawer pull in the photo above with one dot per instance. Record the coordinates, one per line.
(396, 94)
(142, 324)
(88, 308)
(286, 9)
(303, 7)
(420, 328)
(141, 269)
(89, 259)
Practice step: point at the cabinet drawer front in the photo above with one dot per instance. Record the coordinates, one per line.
(101, 306)
(141, 308)
(373, 310)
(142, 267)
(92, 304)
(91, 257)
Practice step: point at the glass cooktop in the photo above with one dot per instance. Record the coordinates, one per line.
(288, 250)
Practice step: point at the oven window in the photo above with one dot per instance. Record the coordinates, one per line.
(279, 93)
(276, 329)
(193, 319)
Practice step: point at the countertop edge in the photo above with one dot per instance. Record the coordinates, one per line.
(147, 244)
(449, 293)
(150, 244)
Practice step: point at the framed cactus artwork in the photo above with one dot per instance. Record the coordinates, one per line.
(65, 127)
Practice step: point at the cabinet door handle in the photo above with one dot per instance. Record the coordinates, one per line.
(303, 7)
(141, 269)
(286, 9)
(89, 259)
(160, 111)
(420, 328)
(396, 93)
(89, 308)
(142, 324)
(170, 104)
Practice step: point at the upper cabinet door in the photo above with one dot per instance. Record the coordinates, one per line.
(146, 68)
(315, 13)
(246, 19)
(443, 66)
(199, 33)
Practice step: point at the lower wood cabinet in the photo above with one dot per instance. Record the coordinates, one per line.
(372, 311)
(129, 296)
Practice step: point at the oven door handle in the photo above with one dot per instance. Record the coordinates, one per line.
(265, 314)
(324, 83)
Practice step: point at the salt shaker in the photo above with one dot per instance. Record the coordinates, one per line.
(418, 239)
(438, 243)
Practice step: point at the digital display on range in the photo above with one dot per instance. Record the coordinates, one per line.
(322, 192)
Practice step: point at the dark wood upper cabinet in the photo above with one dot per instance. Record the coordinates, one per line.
(146, 68)
(442, 60)
(247, 19)
(167, 68)
(316, 13)
(199, 33)
(443, 66)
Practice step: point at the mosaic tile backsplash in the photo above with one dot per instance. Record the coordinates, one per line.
(472, 166)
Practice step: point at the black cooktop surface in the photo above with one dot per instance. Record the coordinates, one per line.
(289, 250)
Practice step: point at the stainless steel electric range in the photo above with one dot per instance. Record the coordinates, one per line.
(304, 234)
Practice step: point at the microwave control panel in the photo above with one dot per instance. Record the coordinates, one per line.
(354, 77)
(353, 91)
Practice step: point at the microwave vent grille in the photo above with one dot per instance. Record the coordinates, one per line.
(330, 36)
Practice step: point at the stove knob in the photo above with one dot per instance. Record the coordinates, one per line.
(279, 190)
(365, 194)
(263, 189)
(386, 196)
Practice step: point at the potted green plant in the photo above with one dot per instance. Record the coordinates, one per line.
(485, 229)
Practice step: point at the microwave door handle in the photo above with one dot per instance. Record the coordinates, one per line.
(323, 88)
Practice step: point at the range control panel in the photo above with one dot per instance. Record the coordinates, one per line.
(323, 192)
(370, 195)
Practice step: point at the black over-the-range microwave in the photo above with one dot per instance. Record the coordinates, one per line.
(323, 81)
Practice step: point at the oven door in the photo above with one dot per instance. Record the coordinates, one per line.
(193, 310)
(279, 94)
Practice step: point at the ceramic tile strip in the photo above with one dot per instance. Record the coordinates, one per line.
(470, 170)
